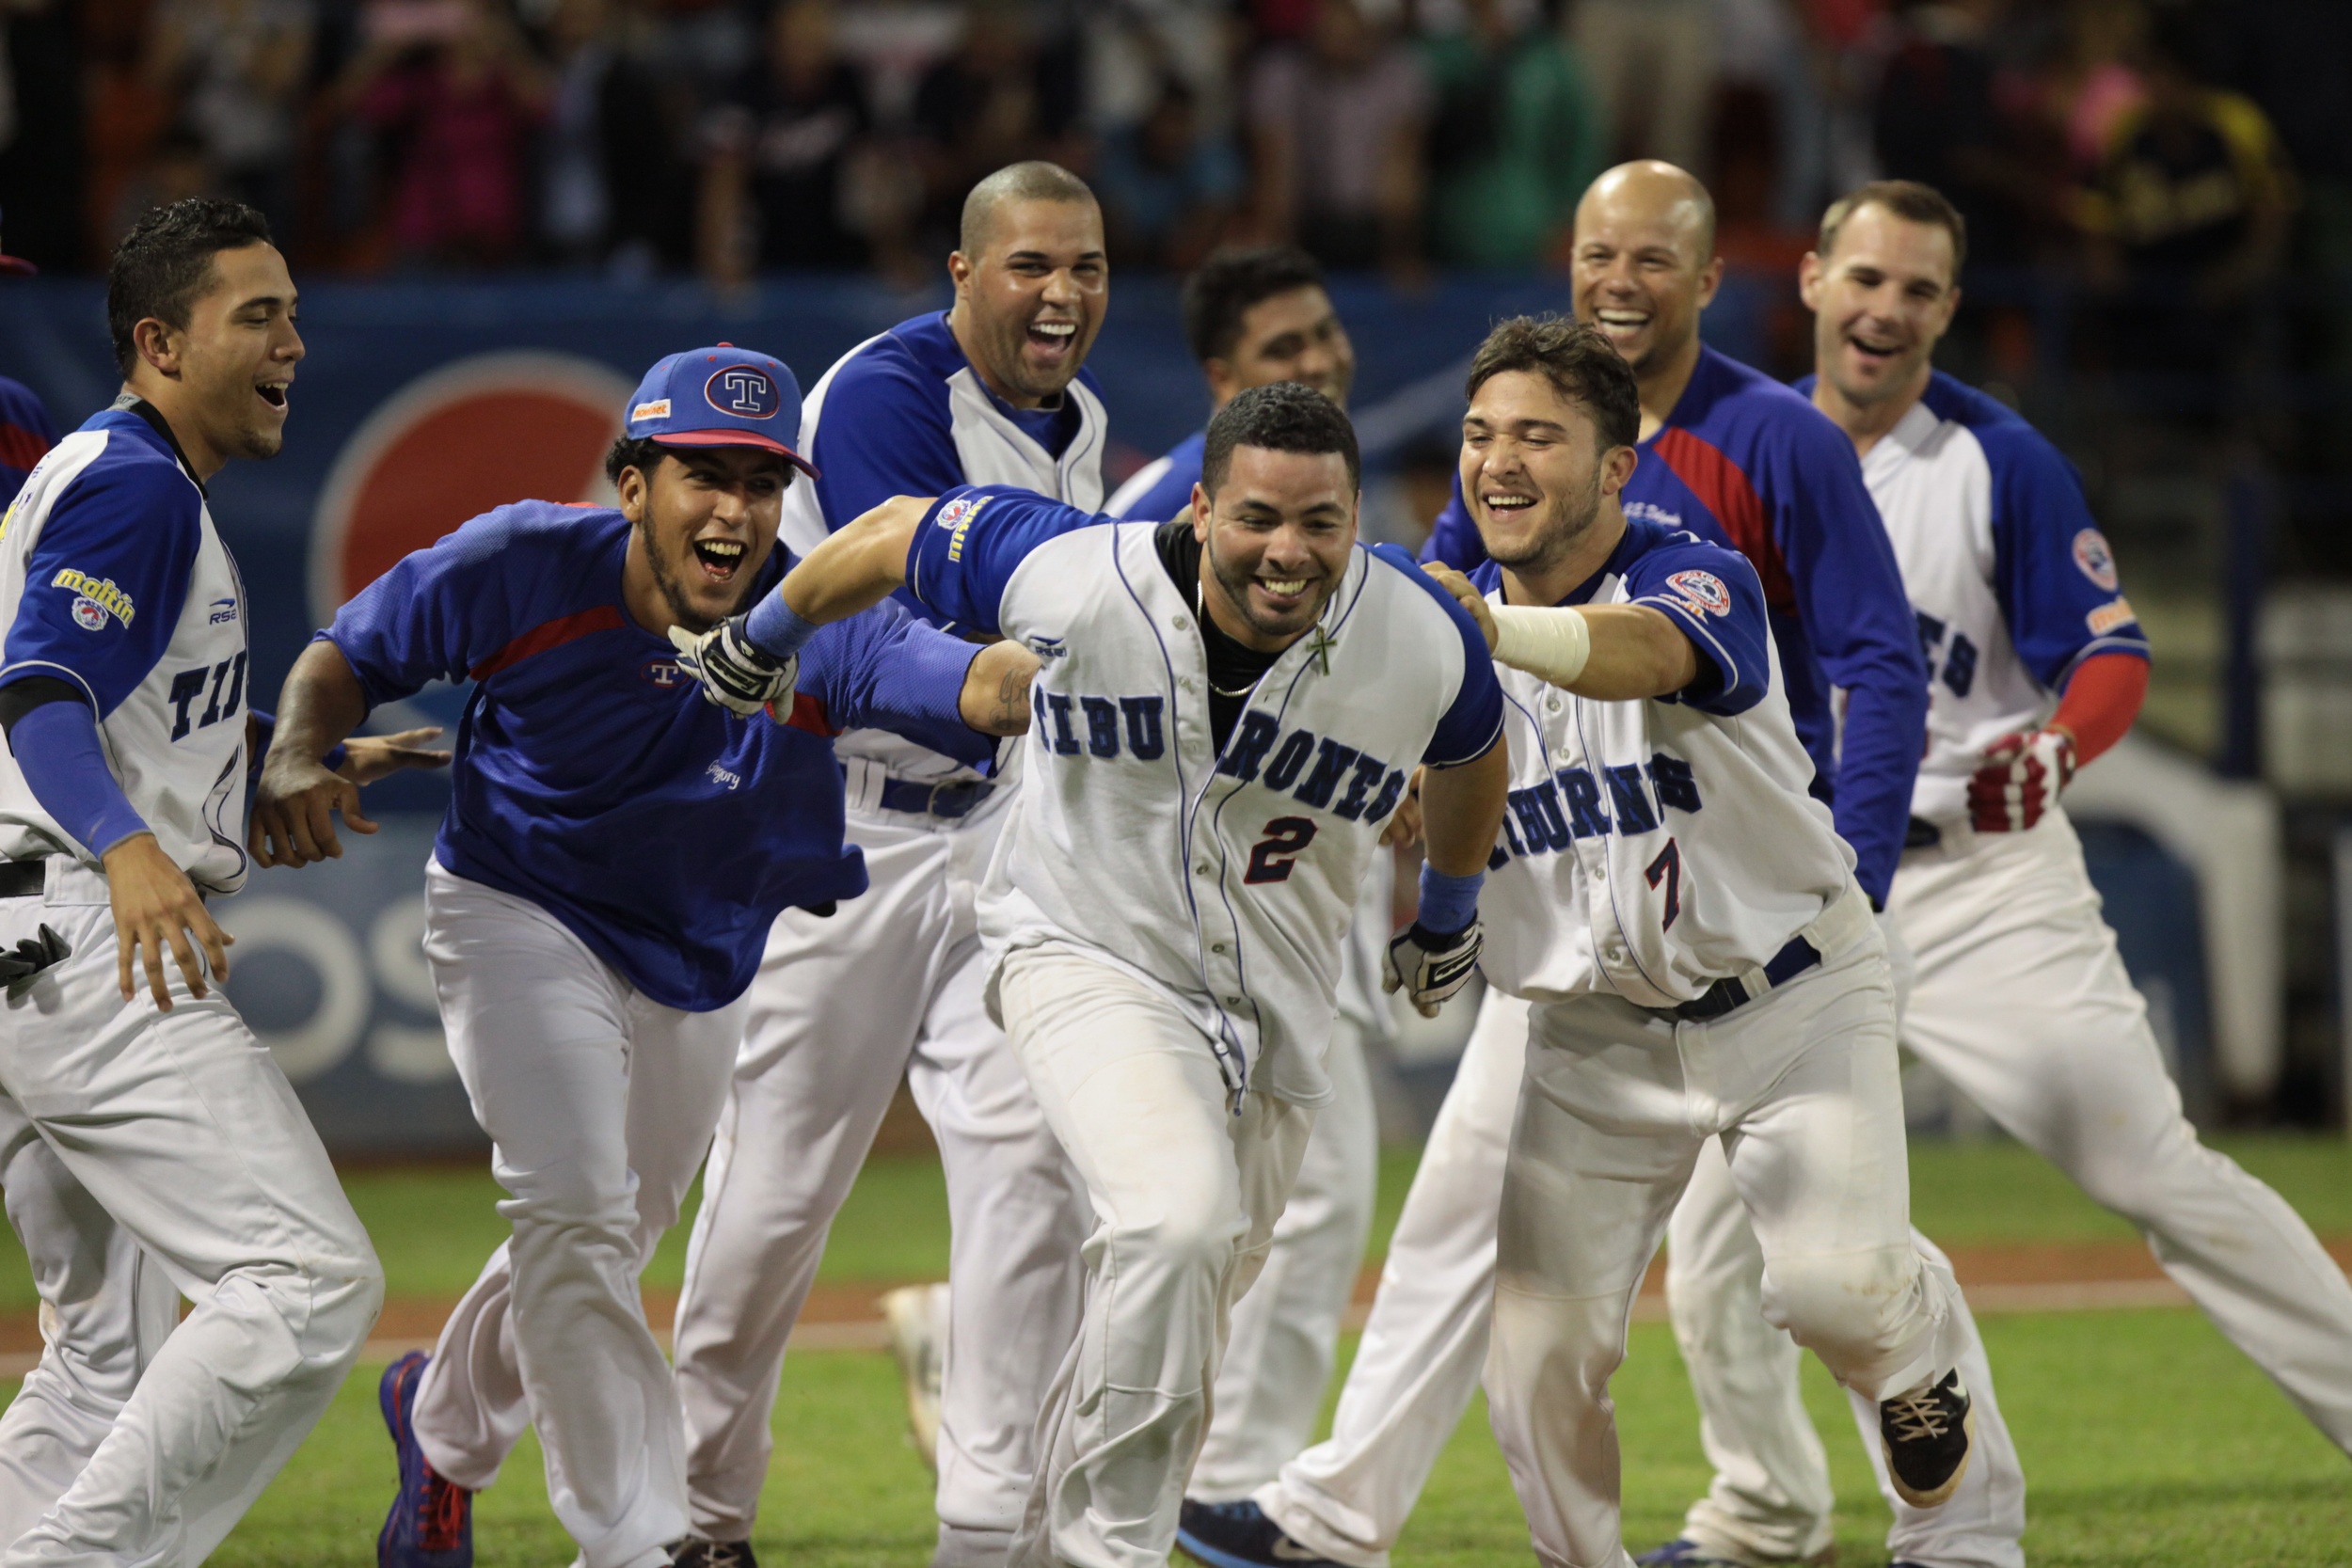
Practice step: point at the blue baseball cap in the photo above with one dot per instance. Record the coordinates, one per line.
(719, 396)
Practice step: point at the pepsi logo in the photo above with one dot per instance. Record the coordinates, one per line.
(743, 392)
(476, 434)
(89, 616)
(2095, 560)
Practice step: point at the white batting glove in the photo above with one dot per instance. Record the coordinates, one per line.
(735, 672)
(2022, 776)
(1430, 969)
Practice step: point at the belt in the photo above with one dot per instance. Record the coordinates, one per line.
(22, 878)
(1922, 835)
(1731, 991)
(950, 801)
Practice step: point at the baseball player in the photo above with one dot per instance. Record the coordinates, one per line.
(615, 852)
(1703, 967)
(1256, 316)
(152, 1147)
(1739, 460)
(990, 391)
(2019, 997)
(1228, 712)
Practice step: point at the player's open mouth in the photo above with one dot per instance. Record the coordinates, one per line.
(1052, 336)
(1872, 351)
(1621, 321)
(273, 392)
(719, 557)
(1287, 593)
(1505, 503)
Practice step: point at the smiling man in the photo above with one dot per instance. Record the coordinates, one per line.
(990, 391)
(615, 852)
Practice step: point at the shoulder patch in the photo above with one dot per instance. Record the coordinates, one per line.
(2096, 561)
(95, 599)
(1702, 591)
(957, 516)
(2108, 616)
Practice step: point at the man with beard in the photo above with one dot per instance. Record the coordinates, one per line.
(990, 391)
(615, 852)
(1741, 461)
(1229, 706)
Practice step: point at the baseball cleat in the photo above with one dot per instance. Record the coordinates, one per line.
(1239, 1535)
(431, 1524)
(1683, 1552)
(1926, 1435)
(918, 1317)
(700, 1551)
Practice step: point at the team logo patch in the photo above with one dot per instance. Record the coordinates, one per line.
(1702, 591)
(88, 615)
(658, 410)
(98, 598)
(959, 510)
(744, 392)
(2096, 561)
(665, 672)
(2114, 613)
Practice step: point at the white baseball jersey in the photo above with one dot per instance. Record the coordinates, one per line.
(1653, 847)
(1224, 878)
(114, 580)
(2012, 583)
(904, 413)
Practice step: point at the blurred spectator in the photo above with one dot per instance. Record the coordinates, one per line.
(43, 177)
(1939, 122)
(1515, 139)
(1653, 66)
(997, 99)
(2094, 82)
(778, 152)
(177, 170)
(458, 92)
(1168, 188)
(610, 182)
(238, 69)
(1337, 128)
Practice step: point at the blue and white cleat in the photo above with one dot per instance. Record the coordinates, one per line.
(431, 1524)
(1239, 1535)
(1683, 1552)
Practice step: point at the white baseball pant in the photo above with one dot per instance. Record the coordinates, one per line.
(1285, 1335)
(2022, 1001)
(1184, 1193)
(184, 1139)
(1802, 1087)
(600, 1104)
(842, 1006)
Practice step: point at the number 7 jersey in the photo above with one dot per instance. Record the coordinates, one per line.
(1652, 847)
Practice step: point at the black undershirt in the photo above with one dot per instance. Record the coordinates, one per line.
(1231, 666)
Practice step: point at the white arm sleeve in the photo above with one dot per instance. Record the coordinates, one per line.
(1554, 644)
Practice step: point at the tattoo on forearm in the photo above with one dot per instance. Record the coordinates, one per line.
(1013, 702)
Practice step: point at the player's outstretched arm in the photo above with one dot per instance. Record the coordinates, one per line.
(855, 568)
(295, 805)
(995, 696)
(1610, 653)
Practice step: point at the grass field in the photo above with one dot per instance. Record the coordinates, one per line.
(2147, 1440)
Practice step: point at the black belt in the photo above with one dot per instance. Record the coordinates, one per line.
(1922, 835)
(1725, 994)
(22, 878)
(960, 798)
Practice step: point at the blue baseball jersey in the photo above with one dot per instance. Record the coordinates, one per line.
(26, 433)
(593, 779)
(2012, 583)
(1162, 488)
(1746, 462)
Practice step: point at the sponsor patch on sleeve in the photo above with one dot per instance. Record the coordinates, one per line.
(1702, 591)
(957, 516)
(2108, 616)
(95, 599)
(2095, 560)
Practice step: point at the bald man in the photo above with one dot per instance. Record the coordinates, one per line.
(1733, 457)
(993, 390)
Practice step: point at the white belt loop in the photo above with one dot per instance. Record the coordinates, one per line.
(1846, 921)
(862, 780)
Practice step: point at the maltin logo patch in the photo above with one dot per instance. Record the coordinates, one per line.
(1702, 591)
(97, 599)
(2096, 561)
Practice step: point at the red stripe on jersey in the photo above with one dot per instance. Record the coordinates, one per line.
(1724, 490)
(19, 447)
(553, 634)
(808, 714)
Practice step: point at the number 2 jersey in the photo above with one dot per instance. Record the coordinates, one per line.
(1652, 847)
(1225, 878)
(114, 580)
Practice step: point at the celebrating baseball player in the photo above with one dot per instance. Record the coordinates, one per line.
(1253, 317)
(2021, 999)
(614, 855)
(1227, 713)
(988, 391)
(1739, 460)
(172, 1156)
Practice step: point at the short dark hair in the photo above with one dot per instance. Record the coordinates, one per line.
(642, 453)
(1034, 179)
(1285, 416)
(1224, 289)
(1577, 360)
(1909, 200)
(163, 264)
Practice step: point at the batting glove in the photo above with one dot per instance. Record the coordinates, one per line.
(28, 958)
(735, 672)
(2019, 781)
(1431, 969)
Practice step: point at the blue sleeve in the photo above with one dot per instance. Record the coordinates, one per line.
(2051, 570)
(1455, 538)
(105, 582)
(971, 541)
(1473, 721)
(1168, 498)
(1850, 594)
(57, 749)
(883, 669)
(1714, 597)
(442, 610)
(21, 406)
(884, 431)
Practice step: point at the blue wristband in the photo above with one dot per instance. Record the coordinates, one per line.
(57, 751)
(1448, 904)
(774, 628)
(334, 760)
